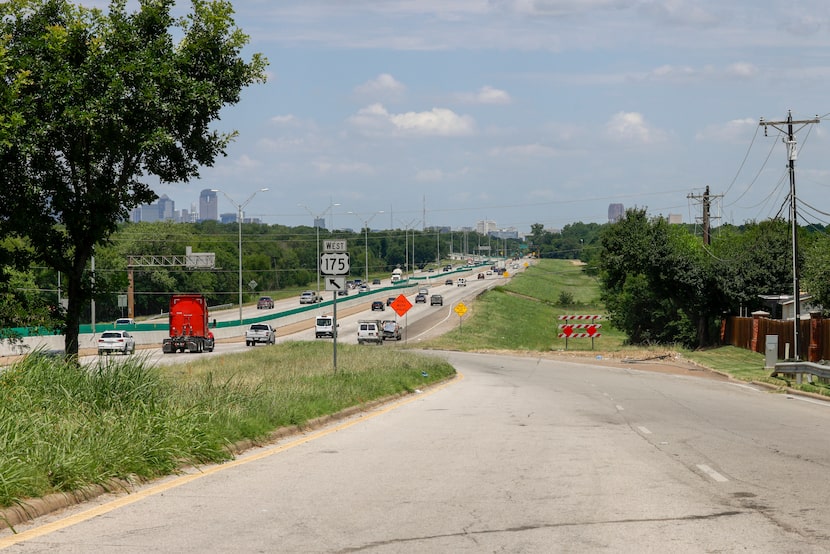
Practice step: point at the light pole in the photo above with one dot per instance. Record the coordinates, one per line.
(239, 208)
(366, 245)
(406, 227)
(317, 227)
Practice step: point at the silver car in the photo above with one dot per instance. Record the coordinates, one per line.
(116, 341)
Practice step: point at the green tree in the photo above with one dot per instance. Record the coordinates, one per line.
(658, 283)
(94, 102)
(816, 270)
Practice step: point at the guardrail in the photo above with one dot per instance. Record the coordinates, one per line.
(799, 369)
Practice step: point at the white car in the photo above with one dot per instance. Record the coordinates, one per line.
(116, 341)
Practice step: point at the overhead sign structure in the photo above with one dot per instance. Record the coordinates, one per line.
(335, 263)
(334, 245)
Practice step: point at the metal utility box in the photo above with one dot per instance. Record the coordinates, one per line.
(771, 356)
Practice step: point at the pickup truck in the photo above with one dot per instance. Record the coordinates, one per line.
(310, 297)
(391, 330)
(260, 332)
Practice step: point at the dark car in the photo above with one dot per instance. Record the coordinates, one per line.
(421, 298)
(480, 276)
(436, 300)
(390, 300)
(448, 282)
(375, 281)
(377, 305)
(265, 303)
(343, 292)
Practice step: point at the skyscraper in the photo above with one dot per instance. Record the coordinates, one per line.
(208, 205)
(615, 212)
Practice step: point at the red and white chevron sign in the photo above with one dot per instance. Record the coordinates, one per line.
(571, 317)
(591, 330)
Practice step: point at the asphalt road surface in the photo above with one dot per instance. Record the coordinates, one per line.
(519, 454)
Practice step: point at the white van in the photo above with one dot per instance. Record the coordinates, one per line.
(324, 327)
(369, 330)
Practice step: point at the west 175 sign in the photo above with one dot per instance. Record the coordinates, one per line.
(335, 263)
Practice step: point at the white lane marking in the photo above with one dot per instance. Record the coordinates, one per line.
(712, 473)
(620, 408)
(644, 430)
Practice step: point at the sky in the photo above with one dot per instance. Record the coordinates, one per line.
(413, 113)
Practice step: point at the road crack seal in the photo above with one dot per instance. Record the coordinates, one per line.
(523, 528)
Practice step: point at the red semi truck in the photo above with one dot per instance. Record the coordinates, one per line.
(189, 327)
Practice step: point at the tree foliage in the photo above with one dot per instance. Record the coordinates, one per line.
(92, 104)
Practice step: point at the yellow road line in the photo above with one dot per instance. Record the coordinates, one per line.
(184, 479)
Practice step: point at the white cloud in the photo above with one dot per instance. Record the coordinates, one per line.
(535, 150)
(680, 12)
(327, 167)
(287, 119)
(736, 131)
(631, 127)
(429, 175)
(384, 86)
(486, 95)
(559, 8)
(742, 69)
(438, 121)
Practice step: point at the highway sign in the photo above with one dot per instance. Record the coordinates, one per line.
(335, 263)
(460, 309)
(335, 284)
(334, 245)
(401, 305)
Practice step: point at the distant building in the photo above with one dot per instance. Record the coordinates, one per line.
(231, 217)
(209, 206)
(615, 212)
(320, 222)
(675, 219)
(485, 226)
(162, 210)
(509, 233)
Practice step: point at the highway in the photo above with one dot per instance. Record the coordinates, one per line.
(417, 323)
(300, 326)
(519, 454)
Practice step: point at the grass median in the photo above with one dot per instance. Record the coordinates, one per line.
(63, 427)
(522, 315)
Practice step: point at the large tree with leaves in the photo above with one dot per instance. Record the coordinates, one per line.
(658, 283)
(93, 103)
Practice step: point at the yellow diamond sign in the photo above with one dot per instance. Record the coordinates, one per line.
(460, 309)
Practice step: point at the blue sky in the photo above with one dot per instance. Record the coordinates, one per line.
(446, 112)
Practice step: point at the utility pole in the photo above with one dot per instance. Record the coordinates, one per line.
(706, 199)
(792, 154)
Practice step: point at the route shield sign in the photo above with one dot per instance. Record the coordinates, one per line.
(335, 263)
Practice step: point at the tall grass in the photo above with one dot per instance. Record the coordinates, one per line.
(63, 426)
(523, 314)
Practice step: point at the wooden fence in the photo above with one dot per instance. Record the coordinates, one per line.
(751, 332)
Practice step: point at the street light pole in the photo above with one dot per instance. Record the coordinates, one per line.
(366, 244)
(239, 208)
(317, 228)
(406, 227)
